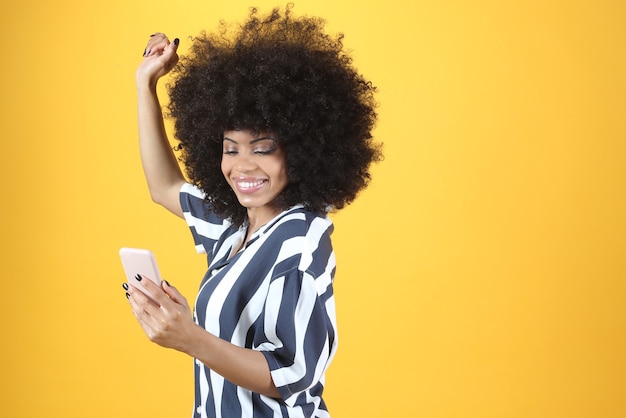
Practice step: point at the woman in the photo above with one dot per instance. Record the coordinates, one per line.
(275, 131)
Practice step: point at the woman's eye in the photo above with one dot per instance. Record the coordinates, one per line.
(258, 151)
(265, 151)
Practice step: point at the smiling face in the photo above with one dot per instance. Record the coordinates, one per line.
(254, 167)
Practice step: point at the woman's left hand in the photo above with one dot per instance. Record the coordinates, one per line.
(170, 323)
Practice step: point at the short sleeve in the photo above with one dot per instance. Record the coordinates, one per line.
(206, 227)
(299, 336)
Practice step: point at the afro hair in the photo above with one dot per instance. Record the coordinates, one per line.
(280, 74)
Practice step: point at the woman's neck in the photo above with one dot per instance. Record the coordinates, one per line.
(257, 217)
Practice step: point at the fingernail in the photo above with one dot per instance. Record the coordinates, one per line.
(138, 277)
(154, 34)
(127, 296)
(144, 52)
(167, 283)
(125, 286)
(176, 41)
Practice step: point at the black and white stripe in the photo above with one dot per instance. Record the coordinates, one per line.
(276, 296)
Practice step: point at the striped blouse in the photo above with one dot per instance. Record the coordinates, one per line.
(275, 296)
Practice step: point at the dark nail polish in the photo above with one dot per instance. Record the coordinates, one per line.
(167, 283)
(125, 286)
(138, 277)
(176, 41)
(127, 296)
(154, 34)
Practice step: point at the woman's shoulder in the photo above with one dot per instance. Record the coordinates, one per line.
(303, 241)
(298, 221)
(302, 232)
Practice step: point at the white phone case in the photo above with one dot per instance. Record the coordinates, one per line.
(140, 261)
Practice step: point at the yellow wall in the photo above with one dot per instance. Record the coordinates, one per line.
(483, 274)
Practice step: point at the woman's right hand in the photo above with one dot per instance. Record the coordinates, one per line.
(159, 58)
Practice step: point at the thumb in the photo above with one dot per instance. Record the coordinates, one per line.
(173, 293)
(172, 47)
(170, 55)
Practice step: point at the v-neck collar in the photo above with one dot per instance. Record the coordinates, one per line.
(266, 227)
(242, 232)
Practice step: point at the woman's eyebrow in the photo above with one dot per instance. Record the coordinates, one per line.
(265, 138)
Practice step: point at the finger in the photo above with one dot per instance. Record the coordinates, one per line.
(158, 323)
(169, 54)
(142, 306)
(155, 292)
(156, 45)
(138, 305)
(174, 294)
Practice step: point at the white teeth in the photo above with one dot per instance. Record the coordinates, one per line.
(249, 185)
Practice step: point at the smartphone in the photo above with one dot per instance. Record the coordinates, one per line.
(140, 261)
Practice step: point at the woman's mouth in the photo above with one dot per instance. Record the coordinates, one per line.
(247, 186)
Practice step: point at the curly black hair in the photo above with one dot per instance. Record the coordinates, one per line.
(280, 74)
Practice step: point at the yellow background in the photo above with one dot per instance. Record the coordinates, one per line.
(482, 274)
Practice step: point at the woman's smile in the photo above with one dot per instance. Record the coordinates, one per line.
(249, 186)
(254, 166)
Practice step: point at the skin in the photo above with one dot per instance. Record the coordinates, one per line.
(254, 167)
(169, 323)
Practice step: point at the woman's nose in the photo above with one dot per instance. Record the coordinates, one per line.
(245, 163)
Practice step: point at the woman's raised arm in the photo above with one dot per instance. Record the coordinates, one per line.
(160, 166)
